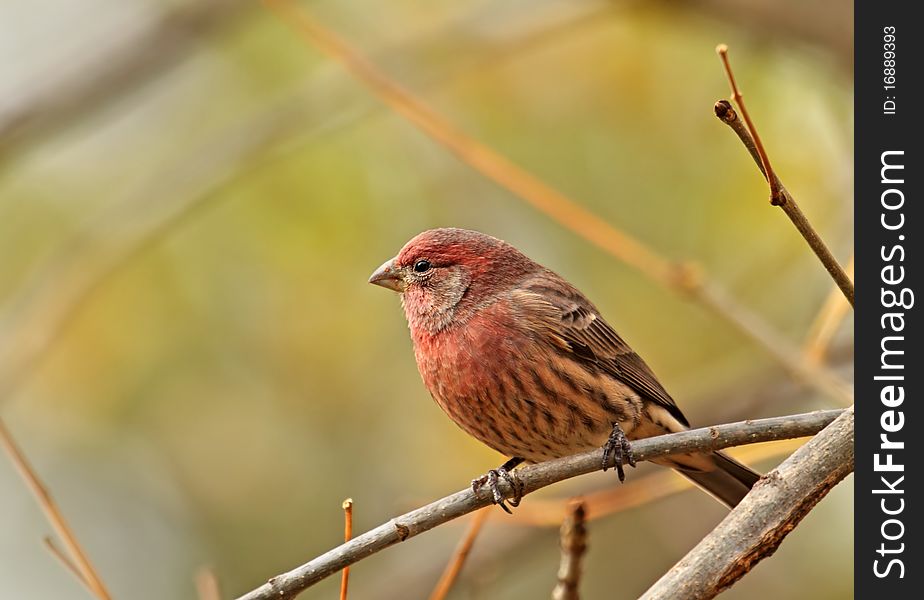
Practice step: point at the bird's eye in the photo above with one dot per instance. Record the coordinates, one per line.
(421, 266)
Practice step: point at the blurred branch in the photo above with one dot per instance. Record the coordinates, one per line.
(66, 562)
(770, 391)
(779, 195)
(78, 558)
(679, 277)
(821, 379)
(34, 319)
(533, 477)
(826, 323)
(573, 545)
(449, 576)
(116, 71)
(207, 587)
(755, 528)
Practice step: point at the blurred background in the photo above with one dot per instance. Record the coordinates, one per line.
(192, 198)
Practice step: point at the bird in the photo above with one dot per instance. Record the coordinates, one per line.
(521, 360)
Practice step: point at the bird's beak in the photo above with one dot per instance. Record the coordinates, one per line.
(389, 276)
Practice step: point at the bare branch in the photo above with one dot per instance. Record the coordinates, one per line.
(449, 576)
(765, 166)
(533, 477)
(65, 561)
(79, 558)
(207, 587)
(347, 534)
(573, 546)
(757, 526)
(779, 195)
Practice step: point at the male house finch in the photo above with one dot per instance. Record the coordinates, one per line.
(521, 360)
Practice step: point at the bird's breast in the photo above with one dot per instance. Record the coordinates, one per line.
(511, 390)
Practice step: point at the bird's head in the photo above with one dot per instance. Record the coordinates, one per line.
(444, 275)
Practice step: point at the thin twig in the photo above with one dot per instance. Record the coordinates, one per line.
(826, 323)
(207, 587)
(573, 545)
(684, 278)
(78, 557)
(533, 477)
(65, 561)
(755, 528)
(779, 195)
(766, 168)
(454, 567)
(821, 379)
(347, 535)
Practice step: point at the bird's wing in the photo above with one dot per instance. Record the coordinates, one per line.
(581, 331)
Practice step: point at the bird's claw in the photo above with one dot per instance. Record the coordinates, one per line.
(619, 448)
(491, 479)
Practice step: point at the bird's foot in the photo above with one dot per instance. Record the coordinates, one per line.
(492, 477)
(618, 447)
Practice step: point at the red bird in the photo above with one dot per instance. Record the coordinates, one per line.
(521, 360)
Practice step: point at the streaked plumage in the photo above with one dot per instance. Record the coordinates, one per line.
(521, 360)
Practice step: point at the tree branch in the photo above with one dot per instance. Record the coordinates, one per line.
(573, 546)
(779, 195)
(451, 574)
(347, 534)
(757, 526)
(79, 560)
(67, 563)
(533, 477)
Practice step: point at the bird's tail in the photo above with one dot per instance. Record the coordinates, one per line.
(727, 480)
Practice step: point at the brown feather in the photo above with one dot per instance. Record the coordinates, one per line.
(590, 338)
